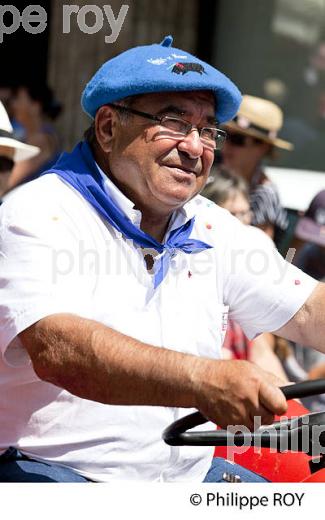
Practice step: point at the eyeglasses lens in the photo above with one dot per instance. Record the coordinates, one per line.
(210, 137)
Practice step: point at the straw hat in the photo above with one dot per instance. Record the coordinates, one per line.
(259, 118)
(22, 151)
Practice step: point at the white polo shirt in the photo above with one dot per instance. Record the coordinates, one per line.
(57, 255)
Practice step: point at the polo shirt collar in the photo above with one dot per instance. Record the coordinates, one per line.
(179, 217)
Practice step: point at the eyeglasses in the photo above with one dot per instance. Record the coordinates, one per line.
(211, 137)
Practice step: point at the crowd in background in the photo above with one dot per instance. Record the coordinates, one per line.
(32, 109)
(29, 144)
(239, 184)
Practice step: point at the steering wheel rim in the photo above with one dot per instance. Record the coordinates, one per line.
(176, 434)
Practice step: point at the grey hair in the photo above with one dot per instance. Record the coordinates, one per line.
(90, 133)
(224, 186)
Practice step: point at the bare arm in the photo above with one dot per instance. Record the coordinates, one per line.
(95, 362)
(308, 325)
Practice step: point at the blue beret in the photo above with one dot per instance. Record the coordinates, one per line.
(159, 68)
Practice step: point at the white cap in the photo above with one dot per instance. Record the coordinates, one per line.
(22, 151)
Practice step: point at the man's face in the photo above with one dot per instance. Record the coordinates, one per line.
(242, 154)
(23, 106)
(156, 170)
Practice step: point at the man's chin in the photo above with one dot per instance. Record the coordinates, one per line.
(176, 199)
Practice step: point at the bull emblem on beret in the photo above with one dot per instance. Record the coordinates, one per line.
(183, 68)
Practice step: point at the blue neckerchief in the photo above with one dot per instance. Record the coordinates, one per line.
(80, 171)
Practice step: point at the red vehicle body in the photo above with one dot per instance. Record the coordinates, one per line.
(302, 460)
(276, 467)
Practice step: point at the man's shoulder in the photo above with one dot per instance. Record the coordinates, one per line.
(213, 224)
(42, 185)
(220, 226)
(36, 197)
(46, 209)
(203, 208)
(211, 216)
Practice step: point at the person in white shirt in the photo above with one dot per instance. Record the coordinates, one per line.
(116, 280)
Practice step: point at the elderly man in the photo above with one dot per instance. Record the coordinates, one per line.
(116, 280)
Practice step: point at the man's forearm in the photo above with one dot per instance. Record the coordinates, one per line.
(95, 362)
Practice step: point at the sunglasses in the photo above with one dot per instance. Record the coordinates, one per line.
(240, 139)
(6, 164)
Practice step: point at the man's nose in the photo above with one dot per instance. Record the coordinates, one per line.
(191, 144)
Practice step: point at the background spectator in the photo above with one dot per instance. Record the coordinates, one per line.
(11, 150)
(35, 108)
(232, 193)
(311, 230)
(252, 137)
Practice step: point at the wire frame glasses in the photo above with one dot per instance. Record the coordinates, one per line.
(211, 137)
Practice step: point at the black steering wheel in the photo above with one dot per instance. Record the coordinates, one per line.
(290, 433)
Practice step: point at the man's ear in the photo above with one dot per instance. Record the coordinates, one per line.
(105, 122)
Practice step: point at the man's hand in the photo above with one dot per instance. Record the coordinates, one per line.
(234, 392)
